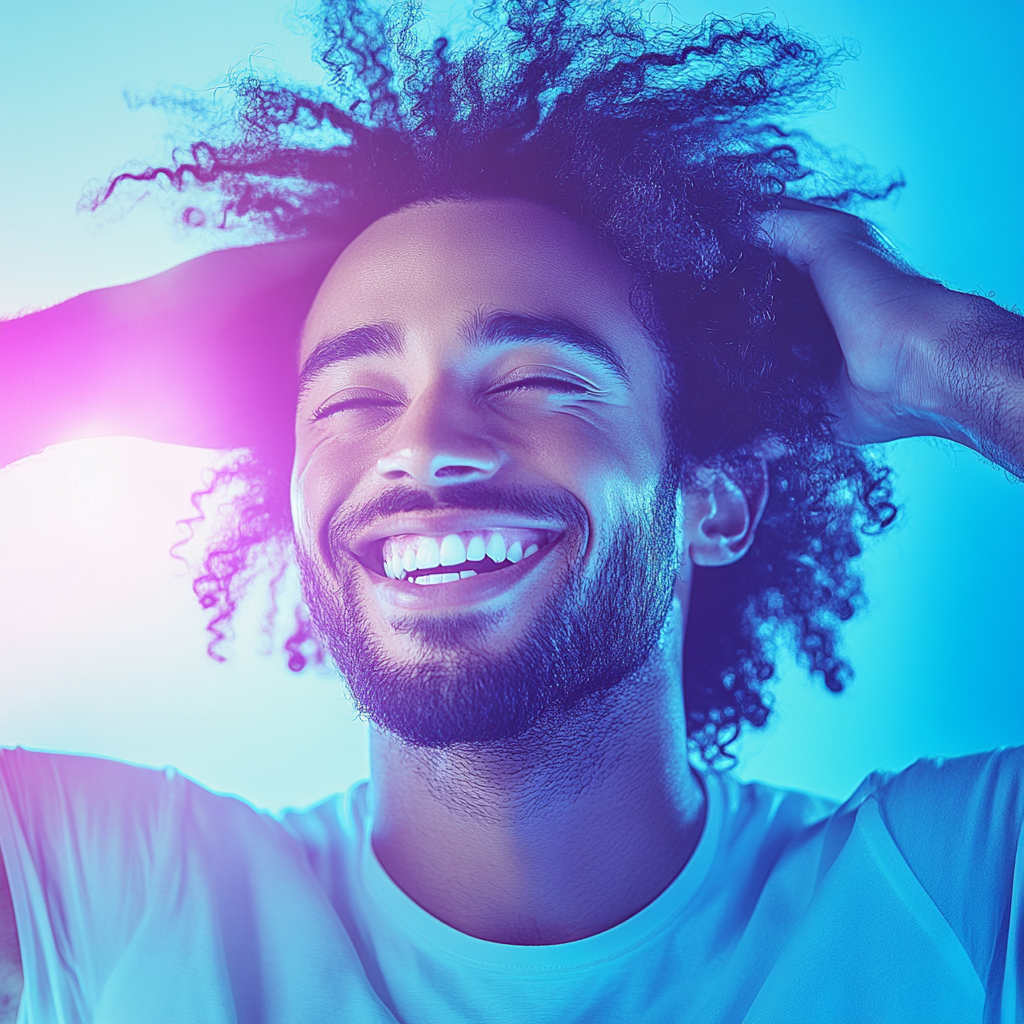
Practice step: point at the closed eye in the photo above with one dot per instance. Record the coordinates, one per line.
(355, 402)
(557, 384)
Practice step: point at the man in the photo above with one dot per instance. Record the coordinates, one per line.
(558, 407)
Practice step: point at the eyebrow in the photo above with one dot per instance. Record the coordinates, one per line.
(510, 328)
(368, 340)
(482, 331)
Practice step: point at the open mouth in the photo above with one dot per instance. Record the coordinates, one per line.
(430, 560)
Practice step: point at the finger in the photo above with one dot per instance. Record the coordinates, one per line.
(802, 232)
(790, 235)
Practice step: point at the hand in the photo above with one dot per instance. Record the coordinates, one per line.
(918, 357)
(880, 311)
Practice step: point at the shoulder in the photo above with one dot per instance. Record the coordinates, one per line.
(92, 845)
(773, 814)
(330, 834)
(86, 796)
(30, 773)
(39, 784)
(56, 809)
(126, 880)
(942, 797)
(957, 823)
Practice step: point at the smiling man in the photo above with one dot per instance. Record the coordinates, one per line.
(474, 451)
(566, 449)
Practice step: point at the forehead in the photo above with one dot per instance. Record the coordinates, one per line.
(429, 268)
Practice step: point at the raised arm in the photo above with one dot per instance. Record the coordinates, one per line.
(919, 357)
(203, 354)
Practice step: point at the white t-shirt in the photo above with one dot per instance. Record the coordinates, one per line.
(141, 897)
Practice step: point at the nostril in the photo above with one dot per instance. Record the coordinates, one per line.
(457, 471)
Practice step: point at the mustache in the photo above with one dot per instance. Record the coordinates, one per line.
(470, 497)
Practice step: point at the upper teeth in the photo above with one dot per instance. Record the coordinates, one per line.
(408, 554)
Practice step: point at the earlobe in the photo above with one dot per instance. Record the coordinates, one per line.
(722, 511)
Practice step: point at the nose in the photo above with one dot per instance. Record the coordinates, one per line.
(436, 444)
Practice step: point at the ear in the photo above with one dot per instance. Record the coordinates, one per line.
(722, 510)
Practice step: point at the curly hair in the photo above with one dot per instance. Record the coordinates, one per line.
(670, 143)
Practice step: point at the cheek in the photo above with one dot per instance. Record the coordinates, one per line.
(325, 473)
(613, 470)
(612, 443)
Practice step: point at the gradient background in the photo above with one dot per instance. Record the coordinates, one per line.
(102, 644)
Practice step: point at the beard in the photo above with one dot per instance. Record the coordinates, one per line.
(594, 630)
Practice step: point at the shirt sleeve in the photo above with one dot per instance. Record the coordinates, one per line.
(82, 839)
(959, 824)
(141, 896)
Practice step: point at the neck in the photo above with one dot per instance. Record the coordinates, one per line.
(556, 835)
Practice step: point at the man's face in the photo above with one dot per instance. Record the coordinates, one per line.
(485, 529)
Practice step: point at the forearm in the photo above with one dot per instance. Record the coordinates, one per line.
(977, 393)
(49, 362)
(89, 367)
(203, 355)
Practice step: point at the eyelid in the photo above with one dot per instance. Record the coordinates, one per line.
(568, 387)
(353, 394)
(544, 372)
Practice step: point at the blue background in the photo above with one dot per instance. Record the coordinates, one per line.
(102, 647)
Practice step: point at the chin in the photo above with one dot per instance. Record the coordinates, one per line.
(428, 637)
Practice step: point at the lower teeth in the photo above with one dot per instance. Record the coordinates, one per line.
(452, 577)
(442, 577)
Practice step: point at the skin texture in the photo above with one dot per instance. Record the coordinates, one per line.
(469, 834)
